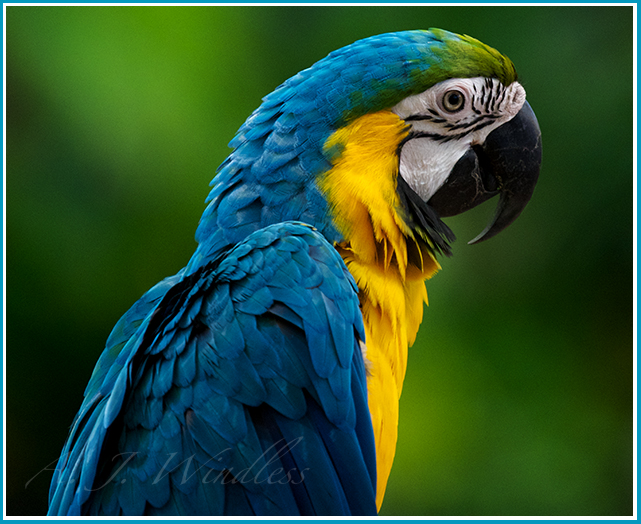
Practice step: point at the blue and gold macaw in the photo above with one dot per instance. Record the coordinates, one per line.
(264, 377)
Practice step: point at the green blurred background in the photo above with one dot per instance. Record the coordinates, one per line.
(518, 399)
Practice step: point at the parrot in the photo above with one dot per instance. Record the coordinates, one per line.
(264, 377)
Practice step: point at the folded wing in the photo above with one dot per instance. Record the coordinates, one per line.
(237, 390)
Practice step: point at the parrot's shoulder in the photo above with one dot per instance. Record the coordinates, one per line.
(125, 328)
(245, 370)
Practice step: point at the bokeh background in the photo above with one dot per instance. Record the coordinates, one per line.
(518, 399)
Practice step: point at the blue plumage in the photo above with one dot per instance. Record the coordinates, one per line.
(219, 390)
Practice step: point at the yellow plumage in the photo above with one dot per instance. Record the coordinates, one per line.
(361, 190)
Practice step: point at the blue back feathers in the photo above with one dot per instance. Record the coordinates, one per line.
(238, 394)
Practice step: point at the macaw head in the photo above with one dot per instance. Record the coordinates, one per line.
(472, 136)
(385, 136)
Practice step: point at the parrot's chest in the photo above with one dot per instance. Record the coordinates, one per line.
(361, 189)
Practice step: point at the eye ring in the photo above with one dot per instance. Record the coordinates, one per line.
(453, 101)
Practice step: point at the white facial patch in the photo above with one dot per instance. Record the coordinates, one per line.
(446, 121)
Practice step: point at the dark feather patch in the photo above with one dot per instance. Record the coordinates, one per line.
(424, 220)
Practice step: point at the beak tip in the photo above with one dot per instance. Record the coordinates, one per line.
(477, 239)
(486, 234)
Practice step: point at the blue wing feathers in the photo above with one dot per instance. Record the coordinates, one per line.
(185, 368)
(236, 374)
(321, 482)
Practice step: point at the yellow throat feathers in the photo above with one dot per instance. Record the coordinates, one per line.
(361, 190)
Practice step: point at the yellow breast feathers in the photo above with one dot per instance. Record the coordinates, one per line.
(361, 190)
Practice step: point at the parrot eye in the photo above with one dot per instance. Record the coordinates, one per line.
(453, 101)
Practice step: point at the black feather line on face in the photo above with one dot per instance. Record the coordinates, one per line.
(421, 218)
(456, 127)
(429, 118)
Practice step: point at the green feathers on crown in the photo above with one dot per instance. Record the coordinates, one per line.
(465, 57)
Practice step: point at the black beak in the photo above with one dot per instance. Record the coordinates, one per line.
(508, 164)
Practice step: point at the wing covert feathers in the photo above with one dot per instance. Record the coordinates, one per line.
(239, 389)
